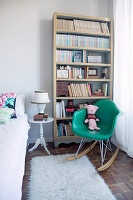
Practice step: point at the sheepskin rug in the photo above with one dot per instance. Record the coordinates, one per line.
(55, 178)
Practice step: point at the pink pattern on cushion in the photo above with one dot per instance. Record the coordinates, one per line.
(8, 100)
(10, 95)
(2, 103)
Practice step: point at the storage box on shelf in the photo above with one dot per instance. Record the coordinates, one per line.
(82, 65)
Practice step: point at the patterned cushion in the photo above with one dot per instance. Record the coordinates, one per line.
(8, 100)
(5, 114)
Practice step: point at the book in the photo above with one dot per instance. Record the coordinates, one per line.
(69, 91)
(77, 55)
(58, 112)
(70, 129)
(63, 109)
(104, 88)
(104, 28)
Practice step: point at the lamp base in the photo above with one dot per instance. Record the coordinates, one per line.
(41, 108)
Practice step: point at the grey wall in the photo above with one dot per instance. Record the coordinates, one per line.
(110, 8)
(26, 46)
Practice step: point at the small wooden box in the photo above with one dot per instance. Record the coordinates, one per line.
(38, 117)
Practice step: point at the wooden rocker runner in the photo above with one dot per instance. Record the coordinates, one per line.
(107, 114)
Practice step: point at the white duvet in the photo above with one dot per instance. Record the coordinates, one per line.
(13, 141)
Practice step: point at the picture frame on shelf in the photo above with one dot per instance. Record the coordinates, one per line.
(93, 73)
(63, 73)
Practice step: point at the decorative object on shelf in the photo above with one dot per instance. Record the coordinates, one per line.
(104, 72)
(62, 89)
(41, 99)
(62, 73)
(92, 58)
(91, 118)
(98, 93)
(70, 107)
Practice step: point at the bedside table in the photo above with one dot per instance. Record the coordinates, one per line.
(41, 139)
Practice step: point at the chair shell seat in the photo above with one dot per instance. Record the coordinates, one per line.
(104, 133)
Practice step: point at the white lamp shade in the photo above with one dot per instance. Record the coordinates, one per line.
(40, 97)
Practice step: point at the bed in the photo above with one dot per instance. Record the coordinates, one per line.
(13, 142)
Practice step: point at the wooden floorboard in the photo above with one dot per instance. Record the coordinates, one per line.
(119, 176)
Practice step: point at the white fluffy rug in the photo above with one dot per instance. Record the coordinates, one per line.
(55, 178)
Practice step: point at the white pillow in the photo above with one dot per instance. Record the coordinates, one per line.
(20, 104)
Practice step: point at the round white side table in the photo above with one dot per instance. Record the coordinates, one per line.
(41, 139)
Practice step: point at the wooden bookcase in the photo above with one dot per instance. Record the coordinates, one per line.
(107, 62)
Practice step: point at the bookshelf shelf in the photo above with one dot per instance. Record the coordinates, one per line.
(83, 48)
(96, 97)
(63, 118)
(85, 80)
(84, 64)
(73, 39)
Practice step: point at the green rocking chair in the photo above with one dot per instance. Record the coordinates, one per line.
(107, 115)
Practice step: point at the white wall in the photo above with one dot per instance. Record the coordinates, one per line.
(26, 46)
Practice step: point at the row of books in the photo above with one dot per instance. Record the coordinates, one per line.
(68, 56)
(65, 129)
(90, 26)
(79, 72)
(65, 24)
(81, 41)
(80, 90)
(83, 105)
(81, 25)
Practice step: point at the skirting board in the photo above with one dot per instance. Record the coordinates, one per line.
(57, 142)
(33, 140)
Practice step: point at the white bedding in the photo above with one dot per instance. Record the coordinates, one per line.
(13, 141)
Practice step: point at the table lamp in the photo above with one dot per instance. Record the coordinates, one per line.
(41, 99)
